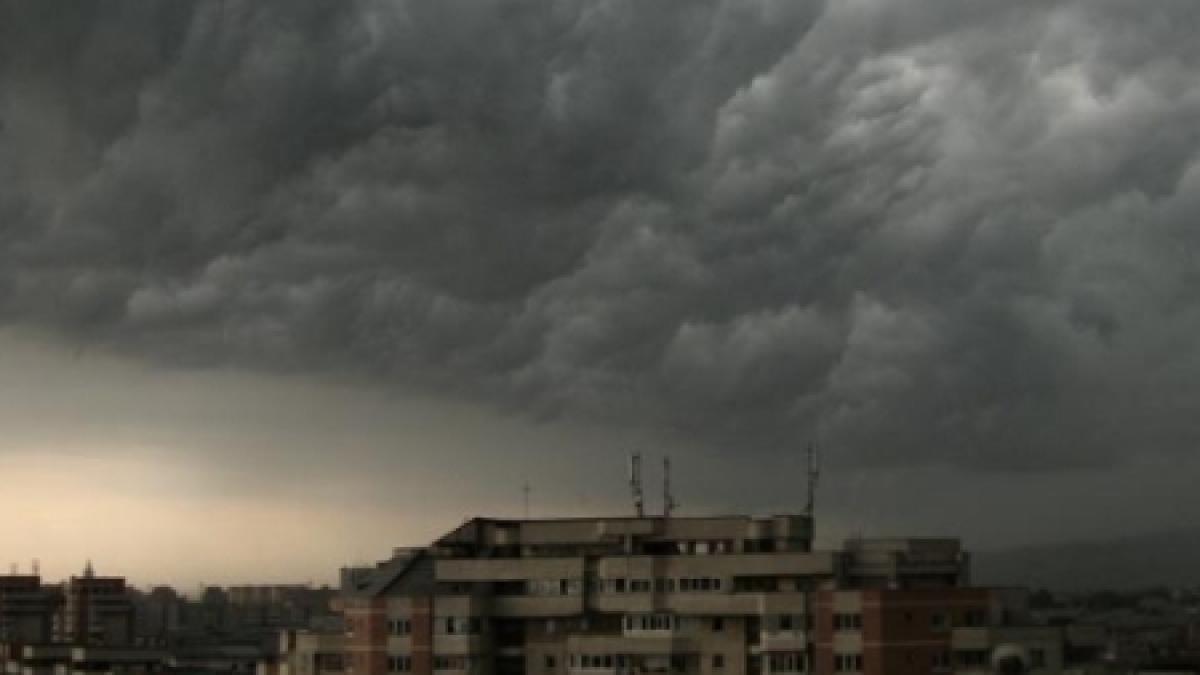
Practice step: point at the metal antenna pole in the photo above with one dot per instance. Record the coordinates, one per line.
(814, 473)
(668, 500)
(635, 483)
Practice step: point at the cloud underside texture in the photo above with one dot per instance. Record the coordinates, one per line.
(918, 233)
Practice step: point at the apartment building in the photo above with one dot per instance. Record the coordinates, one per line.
(735, 595)
(27, 610)
(84, 625)
(97, 611)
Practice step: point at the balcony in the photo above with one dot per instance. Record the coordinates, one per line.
(784, 640)
(537, 605)
(460, 645)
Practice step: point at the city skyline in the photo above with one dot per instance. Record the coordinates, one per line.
(284, 284)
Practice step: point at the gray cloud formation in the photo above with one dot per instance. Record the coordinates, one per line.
(921, 233)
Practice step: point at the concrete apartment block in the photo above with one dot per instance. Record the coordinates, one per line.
(733, 595)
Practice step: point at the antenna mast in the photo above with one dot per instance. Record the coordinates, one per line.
(525, 490)
(635, 483)
(668, 499)
(814, 472)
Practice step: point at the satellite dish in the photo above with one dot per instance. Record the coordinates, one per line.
(1010, 659)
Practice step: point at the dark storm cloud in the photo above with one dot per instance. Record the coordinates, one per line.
(919, 233)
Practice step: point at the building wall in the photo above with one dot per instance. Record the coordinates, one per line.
(366, 636)
(909, 630)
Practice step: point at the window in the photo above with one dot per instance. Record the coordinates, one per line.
(652, 622)
(939, 621)
(718, 624)
(847, 621)
(758, 546)
(755, 584)
(549, 662)
(460, 625)
(450, 663)
(594, 661)
(1037, 658)
(941, 660)
(975, 618)
(399, 664)
(972, 657)
(847, 663)
(701, 584)
(787, 662)
(718, 661)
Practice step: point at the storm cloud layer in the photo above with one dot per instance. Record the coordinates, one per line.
(956, 234)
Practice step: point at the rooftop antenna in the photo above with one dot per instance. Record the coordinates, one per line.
(37, 567)
(668, 500)
(814, 472)
(635, 483)
(525, 490)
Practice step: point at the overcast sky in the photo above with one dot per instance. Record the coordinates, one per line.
(285, 283)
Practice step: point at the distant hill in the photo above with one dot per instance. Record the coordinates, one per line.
(1161, 559)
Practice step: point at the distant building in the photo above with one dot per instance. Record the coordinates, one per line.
(98, 611)
(27, 611)
(83, 626)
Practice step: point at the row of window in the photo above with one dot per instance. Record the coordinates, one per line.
(780, 662)
(453, 662)
(847, 663)
(676, 662)
(847, 621)
(549, 587)
(975, 618)
(788, 622)
(451, 625)
(652, 622)
(659, 585)
(459, 625)
(981, 657)
(939, 621)
(639, 547)
(788, 662)
(774, 623)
